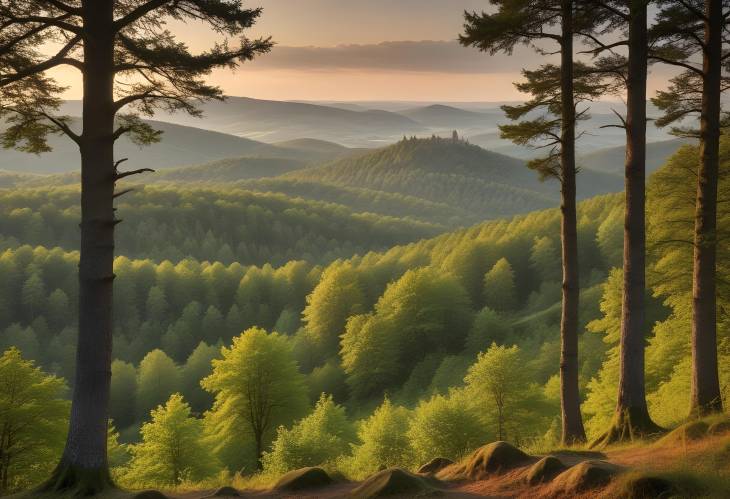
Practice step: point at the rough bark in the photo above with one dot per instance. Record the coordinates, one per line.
(83, 469)
(631, 419)
(572, 422)
(705, 392)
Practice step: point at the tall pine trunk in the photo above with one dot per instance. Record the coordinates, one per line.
(705, 392)
(83, 467)
(631, 419)
(572, 422)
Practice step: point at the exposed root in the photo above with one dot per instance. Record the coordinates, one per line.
(72, 481)
(627, 426)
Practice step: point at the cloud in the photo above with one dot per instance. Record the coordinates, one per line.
(411, 56)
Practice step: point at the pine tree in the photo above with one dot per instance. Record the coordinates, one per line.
(631, 417)
(558, 90)
(128, 56)
(683, 30)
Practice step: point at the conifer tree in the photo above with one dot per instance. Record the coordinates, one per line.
(631, 418)
(534, 23)
(693, 35)
(128, 56)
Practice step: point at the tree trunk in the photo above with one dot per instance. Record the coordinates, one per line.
(631, 419)
(259, 437)
(572, 422)
(83, 469)
(705, 392)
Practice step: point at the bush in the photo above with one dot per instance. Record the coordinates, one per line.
(445, 426)
(383, 441)
(317, 439)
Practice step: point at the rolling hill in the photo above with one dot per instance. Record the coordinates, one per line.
(611, 159)
(180, 145)
(276, 121)
(481, 183)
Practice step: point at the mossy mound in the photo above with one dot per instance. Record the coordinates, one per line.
(584, 476)
(644, 487)
(303, 479)
(396, 482)
(435, 465)
(149, 494)
(496, 457)
(544, 470)
(225, 492)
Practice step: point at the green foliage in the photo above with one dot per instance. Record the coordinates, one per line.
(172, 448)
(338, 295)
(500, 386)
(212, 223)
(318, 439)
(257, 387)
(123, 391)
(445, 426)
(383, 441)
(499, 287)
(421, 313)
(33, 418)
(157, 377)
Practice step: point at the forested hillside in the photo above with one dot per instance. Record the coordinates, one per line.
(464, 176)
(217, 224)
(409, 322)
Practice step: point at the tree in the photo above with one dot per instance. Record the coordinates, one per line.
(33, 415)
(498, 379)
(127, 56)
(630, 73)
(123, 392)
(558, 89)
(158, 377)
(257, 387)
(445, 426)
(317, 439)
(197, 367)
(172, 448)
(499, 287)
(683, 30)
(383, 440)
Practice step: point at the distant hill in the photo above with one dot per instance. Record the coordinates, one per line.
(611, 159)
(180, 145)
(227, 170)
(439, 115)
(463, 176)
(319, 150)
(276, 121)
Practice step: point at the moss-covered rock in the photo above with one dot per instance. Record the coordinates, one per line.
(396, 481)
(544, 470)
(584, 476)
(496, 457)
(435, 465)
(303, 479)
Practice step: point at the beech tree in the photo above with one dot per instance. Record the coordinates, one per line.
(129, 57)
(557, 90)
(693, 36)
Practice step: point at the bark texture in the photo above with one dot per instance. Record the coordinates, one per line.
(572, 422)
(631, 419)
(83, 468)
(705, 392)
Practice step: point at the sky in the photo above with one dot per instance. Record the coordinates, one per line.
(360, 50)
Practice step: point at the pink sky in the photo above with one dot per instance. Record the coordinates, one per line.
(329, 50)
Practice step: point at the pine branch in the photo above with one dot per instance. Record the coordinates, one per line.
(138, 13)
(59, 59)
(122, 175)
